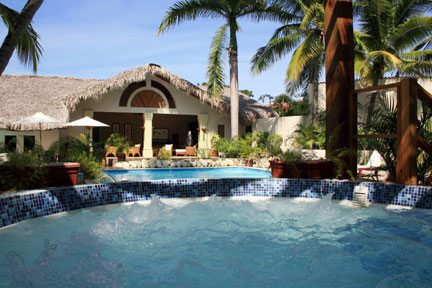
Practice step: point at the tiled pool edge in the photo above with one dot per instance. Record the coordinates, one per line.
(21, 206)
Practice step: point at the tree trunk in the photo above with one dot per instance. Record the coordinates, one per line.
(315, 89)
(11, 40)
(233, 65)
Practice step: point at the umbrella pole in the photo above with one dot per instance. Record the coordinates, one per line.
(40, 134)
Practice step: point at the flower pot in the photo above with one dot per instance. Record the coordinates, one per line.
(248, 163)
(278, 169)
(62, 174)
(215, 153)
(319, 169)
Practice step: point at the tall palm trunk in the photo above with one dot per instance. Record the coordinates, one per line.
(377, 68)
(11, 40)
(315, 89)
(234, 93)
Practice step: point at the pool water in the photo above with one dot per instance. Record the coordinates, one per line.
(181, 173)
(219, 242)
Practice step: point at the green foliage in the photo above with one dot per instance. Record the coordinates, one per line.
(163, 154)
(203, 153)
(274, 145)
(310, 136)
(226, 148)
(247, 92)
(77, 149)
(23, 171)
(121, 145)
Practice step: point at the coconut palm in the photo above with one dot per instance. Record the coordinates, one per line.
(394, 39)
(20, 35)
(304, 36)
(230, 11)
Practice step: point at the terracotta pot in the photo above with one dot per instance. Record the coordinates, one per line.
(278, 169)
(215, 153)
(248, 163)
(319, 169)
(62, 174)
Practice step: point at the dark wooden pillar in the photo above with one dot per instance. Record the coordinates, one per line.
(339, 68)
(406, 166)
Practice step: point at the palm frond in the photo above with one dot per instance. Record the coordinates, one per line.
(190, 10)
(314, 14)
(413, 31)
(273, 51)
(215, 69)
(310, 48)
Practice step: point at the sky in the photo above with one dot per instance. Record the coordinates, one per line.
(101, 38)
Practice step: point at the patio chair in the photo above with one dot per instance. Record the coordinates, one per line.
(190, 151)
(169, 148)
(180, 152)
(134, 150)
(375, 161)
(110, 151)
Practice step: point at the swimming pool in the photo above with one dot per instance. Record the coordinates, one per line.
(185, 173)
(217, 242)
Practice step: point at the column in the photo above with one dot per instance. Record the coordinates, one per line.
(148, 124)
(339, 69)
(19, 143)
(202, 136)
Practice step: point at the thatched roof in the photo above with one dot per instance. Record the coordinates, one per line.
(22, 96)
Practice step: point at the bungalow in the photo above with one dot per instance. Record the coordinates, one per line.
(148, 105)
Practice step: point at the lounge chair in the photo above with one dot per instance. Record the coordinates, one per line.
(134, 151)
(375, 161)
(190, 151)
(180, 152)
(169, 148)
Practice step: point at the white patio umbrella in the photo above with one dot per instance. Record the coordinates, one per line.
(38, 118)
(88, 123)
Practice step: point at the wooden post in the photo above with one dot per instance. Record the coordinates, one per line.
(339, 68)
(406, 166)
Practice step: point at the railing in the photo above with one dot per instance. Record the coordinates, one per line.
(408, 91)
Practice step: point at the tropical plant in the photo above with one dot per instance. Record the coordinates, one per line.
(274, 146)
(230, 11)
(394, 39)
(163, 154)
(310, 136)
(304, 36)
(119, 142)
(227, 148)
(20, 35)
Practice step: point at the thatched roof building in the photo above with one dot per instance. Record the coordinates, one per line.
(22, 95)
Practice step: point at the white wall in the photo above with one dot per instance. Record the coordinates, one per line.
(284, 126)
(48, 137)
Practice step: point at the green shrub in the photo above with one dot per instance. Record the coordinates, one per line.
(163, 154)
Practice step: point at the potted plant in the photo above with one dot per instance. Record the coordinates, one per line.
(213, 142)
(246, 150)
(277, 165)
(120, 144)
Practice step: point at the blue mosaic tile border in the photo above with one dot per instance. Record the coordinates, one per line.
(32, 204)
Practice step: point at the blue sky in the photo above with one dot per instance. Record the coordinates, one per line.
(100, 38)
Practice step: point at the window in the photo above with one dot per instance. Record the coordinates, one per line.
(10, 143)
(29, 143)
(221, 130)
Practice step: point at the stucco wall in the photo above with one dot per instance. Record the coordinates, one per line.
(48, 137)
(284, 126)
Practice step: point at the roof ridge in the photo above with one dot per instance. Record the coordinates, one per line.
(50, 77)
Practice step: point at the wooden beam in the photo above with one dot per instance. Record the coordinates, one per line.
(339, 69)
(371, 136)
(377, 88)
(406, 166)
(424, 145)
(424, 96)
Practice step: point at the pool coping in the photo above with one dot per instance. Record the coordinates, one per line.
(19, 206)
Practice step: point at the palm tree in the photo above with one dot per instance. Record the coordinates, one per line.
(304, 36)
(394, 39)
(230, 11)
(20, 35)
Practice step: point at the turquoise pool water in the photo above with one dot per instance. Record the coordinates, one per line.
(220, 243)
(182, 173)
